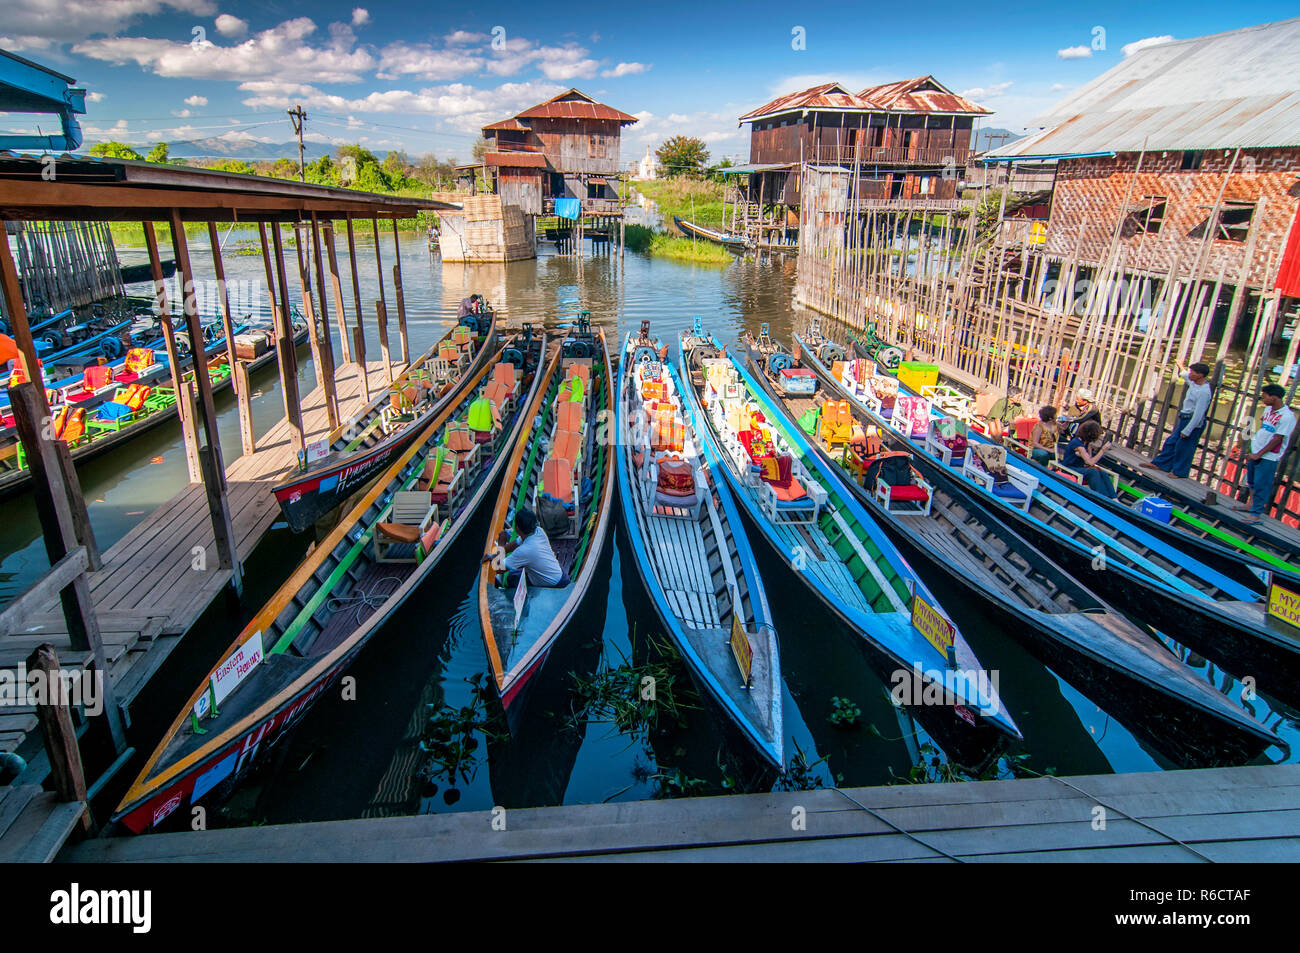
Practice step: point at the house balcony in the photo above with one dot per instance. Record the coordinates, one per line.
(589, 207)
(849, 155)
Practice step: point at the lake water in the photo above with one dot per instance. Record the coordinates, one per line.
(362, 757)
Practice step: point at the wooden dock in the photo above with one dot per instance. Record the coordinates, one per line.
(148, 594)
(1217, 814)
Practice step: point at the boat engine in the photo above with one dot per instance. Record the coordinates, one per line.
(830, 352)
(889, 357)
(778, 362)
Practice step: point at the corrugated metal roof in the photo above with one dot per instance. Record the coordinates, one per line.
(756, 167)
(924, 94)
(507, 125)
(1240, 88)
(518, 160)
(573, 104)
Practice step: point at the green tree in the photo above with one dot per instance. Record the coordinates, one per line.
(480, 149)
(233, 165)
(683, 155)
(115, 150)
(323, 171)
(158, 153)
(283, 168)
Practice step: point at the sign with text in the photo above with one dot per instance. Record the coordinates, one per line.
(316, 451)
(937, 630)
(521, 596)
(741, 648)
(236, 668)
(1284, 601)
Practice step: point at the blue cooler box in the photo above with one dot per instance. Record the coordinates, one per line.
(1156, 508)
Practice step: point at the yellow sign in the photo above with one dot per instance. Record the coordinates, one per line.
(1284, 603)
(741, 648)
(937, 630)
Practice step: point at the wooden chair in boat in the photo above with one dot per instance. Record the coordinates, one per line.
(127, 405)
(557, 482)
(899, 488)
(673, 486)
(947, 399)
(836, 424)
(413, 527)
(986, 464)
(792, 496)
(444, 479)
(503, 388)
(946, 439)
(460, 442)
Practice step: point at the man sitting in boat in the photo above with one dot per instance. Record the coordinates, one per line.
(476, 307)
(1045, 435)
(530, 551)
(1085, 408)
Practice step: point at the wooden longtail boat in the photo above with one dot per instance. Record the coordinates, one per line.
(936, 518)
(1217, 532)
(833, 545)
(692, 230)
(1219, 614)
(363, 448)
(690, 548)
(307, 635)
(518, 642)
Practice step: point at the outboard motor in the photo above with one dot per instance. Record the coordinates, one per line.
(778, 362)
(830, 352)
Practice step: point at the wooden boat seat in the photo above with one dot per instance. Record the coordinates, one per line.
(444, 478)
(506, 374)
(836, 425)
(570, 415)
(484, 419)
(674, 487)
(460, 441)
(411, 515)
(567, 445)
(557, 483)
(946, 439)
(911, 416)
(986, 464)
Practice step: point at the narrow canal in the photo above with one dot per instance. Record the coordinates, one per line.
(366, 756)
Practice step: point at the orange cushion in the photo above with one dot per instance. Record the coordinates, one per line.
(788, 494)
(569, 416)
(460, 440)
(497, 392)
(568, 445)
(557, 478)
(399, 532)
(581, 371)
(431, 537)
(504, 373)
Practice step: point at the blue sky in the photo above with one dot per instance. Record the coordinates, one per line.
(423, 79)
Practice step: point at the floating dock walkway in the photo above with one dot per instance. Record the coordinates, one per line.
(1217, 814)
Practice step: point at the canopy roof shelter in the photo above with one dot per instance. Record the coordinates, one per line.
(27, 87)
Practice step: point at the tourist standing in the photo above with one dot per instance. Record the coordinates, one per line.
(1175, 457)
(1267, 445)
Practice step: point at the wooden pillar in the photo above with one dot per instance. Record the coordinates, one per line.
(336, 288)
(189, 435)
(60, 736)
(239, 382)
(327, 340)
(381, 306)
(356, 283)
(284, 341)
(78, 515)
(401, 298)
(359, 349)
(210, 459)
(324, 368)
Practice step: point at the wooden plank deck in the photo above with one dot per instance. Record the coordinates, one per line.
(1200, 491)
(1223, 814)
(147, 593)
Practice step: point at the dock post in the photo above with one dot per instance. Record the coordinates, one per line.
(359, 349)
(336, 288)
(381, 318)
(188, 434)
(284, 342)
(326, 339)
(58, 526)
(356, 284)
(211, 464)
(324, 367)
(60, 737)
(247, 439)
(401, 297)
(75, 502)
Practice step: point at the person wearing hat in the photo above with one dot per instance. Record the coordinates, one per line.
(1175, 457)
(1085, 406)
(1267, 445)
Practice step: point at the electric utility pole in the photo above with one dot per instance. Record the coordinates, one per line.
(299, 117)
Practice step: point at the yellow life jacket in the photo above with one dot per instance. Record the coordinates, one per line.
(480, 415)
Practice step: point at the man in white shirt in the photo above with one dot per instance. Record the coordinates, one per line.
(1269, 442)
(1175, 457)
(530, 552)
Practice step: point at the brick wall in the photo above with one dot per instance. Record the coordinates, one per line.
(1091, 192)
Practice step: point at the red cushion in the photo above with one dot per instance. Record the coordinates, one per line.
(788, 494)
(909, 493)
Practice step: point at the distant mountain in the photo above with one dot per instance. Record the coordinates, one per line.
(993, 138)
(233, 148)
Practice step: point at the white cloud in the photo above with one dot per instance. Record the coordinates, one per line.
(718, 130)
(228, 25)
(182, 113)
(1059, 87)
(1074, 53)
(626, 69)
(853, 82)
(360, 16)
(96, 97)
(282, 51)
(461, 106)
(464, 36)
(992, 91)
(559, 63)
(63, 21)
(422, 61)
(196, 101)
(1146, 42)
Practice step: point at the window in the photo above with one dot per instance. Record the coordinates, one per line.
(1192, 160)
(595, 147)
(1152, 216)
(1234, 221)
